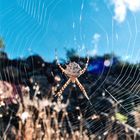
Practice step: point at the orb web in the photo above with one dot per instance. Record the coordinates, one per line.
(113, 89)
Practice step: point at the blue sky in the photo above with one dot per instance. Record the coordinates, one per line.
(100, 26)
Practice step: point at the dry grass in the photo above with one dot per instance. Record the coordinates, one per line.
(49, 120)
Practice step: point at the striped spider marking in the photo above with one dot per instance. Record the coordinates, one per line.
(73, 71)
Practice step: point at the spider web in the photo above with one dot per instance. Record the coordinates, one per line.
(121, 90)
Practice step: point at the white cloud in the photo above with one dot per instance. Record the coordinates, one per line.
(96, 38)
(120, 10)
(92, 52)
(126, 57)
(133, 5)
(95, 41)
(121, 7)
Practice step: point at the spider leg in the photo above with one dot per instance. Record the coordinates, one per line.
(82, 88)
(62, 69)
(85, 68)
(63, 88)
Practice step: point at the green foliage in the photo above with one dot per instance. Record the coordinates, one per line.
(120, 117)
(2, 45)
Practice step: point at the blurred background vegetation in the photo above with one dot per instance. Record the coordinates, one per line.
(28, 86)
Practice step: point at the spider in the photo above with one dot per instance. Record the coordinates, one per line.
(73, 71)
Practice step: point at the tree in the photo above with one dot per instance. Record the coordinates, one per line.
(71, 54)
(2, 45)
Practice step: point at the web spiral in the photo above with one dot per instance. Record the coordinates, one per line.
(30, 77)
